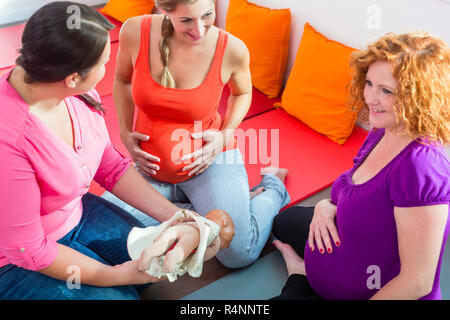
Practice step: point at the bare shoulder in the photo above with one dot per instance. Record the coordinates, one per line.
(130, 32)
(131, 27)
(236, 53)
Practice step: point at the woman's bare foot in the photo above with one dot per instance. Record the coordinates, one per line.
(256, 192)
(279, 172)
(294, 263)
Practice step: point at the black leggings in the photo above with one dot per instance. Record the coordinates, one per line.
(292, 226)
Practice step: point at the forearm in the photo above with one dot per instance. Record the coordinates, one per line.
(92, 272)
(124, 106)
(400, 288)
(137, 192)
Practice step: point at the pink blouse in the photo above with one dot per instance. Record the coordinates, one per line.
(42, 178)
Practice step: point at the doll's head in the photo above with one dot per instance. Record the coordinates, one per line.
(226, 225)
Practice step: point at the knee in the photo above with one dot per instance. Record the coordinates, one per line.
(273, 183)
(278, 222)
(234, 258)
(284, 220)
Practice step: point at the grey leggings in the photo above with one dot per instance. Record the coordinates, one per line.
(224, 185)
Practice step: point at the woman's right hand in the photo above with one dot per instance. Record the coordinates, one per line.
(144, 161)
(322, 226)
(128, 273)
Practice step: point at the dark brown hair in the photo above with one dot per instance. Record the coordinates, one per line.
(52, 49)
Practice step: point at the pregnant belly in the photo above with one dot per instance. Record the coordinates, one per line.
(170, 144)
(349, 272)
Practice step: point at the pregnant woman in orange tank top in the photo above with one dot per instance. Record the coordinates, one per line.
(173, 67)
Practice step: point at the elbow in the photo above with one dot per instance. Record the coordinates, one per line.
(422, 286)
(425, 288)
(415, 286)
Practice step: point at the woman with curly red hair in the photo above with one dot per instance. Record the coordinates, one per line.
(388, 215)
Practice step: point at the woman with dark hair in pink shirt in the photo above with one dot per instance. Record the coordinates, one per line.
(57, 241)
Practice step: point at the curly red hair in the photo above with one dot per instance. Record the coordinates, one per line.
(421, 65)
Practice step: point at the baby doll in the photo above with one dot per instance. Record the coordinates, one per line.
(174, 246)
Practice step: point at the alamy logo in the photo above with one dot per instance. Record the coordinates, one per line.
(374, 280)
(254, 145)
(74, 20)
(74, 280)
(374, 19)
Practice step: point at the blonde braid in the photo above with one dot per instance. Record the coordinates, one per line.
(167, 29)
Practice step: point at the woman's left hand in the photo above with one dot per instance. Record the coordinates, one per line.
(185, 218)
(203, 157)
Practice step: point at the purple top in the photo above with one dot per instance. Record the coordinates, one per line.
(418, 176)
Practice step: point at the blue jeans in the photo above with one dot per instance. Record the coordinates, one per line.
(102, 235)
(224, 185)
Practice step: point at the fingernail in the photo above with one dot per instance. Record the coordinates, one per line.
(321, 250)
(329, 250)
(338, 243)
(312, 248)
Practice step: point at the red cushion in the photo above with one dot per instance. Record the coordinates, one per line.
(105, 86)
(260, 102)
(96, 189)
(313, 160)
(112, 123)
(114, 33)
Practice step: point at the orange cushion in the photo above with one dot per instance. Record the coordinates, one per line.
(123, 10)
(266, 33)
(316, 91)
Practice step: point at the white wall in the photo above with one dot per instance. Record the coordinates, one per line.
(13, 11)
(355, 22)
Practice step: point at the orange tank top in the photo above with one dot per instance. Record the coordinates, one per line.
(170, 115)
